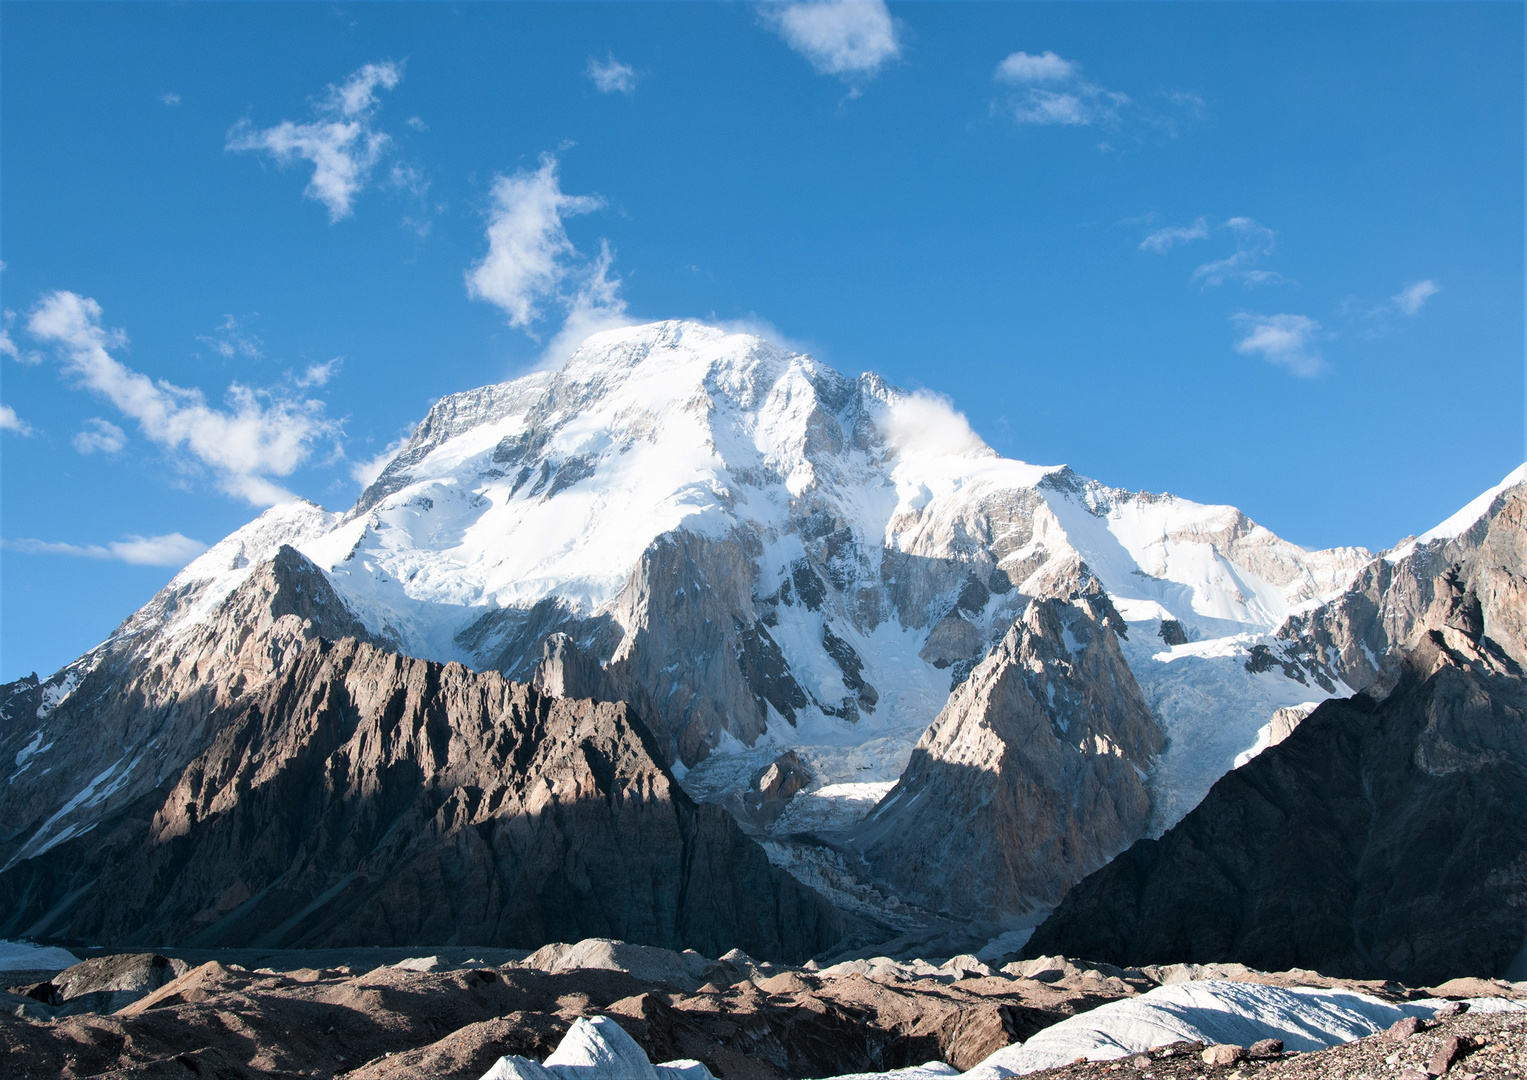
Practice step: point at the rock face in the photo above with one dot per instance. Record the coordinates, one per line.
(362, 797)
(127, 716)
(1031, 777)
(1381, 839)
(1384, 836)
(1475, 559)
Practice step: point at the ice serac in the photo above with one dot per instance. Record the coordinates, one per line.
(1033, 774)
(1384, 837)
(363, 797)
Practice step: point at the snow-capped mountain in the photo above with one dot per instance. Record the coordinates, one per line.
(759, 553)
(779, 556)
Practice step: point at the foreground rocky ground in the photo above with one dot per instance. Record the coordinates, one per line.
(333, 1014)
(1465, 1047)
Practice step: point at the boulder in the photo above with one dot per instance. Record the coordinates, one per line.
(683, 971)
(1223, 1054)
(105, 984)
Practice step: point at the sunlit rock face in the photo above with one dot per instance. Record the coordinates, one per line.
(1033, 774)
(362, 797)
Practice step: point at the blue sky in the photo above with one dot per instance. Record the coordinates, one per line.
(1269, 255)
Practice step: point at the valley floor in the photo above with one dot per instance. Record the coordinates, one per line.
(368, 1014)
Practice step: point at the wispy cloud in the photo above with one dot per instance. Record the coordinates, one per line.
(852, 39)
(1169, 237)
(319, 374)
(9, 421)
(411, 181)
(100, 436)
(1253, 243)
(611, 76)
(1285, 340)
(231, 340)
(531, 262)
(172, 549)
(1021, 69)
(1410, 300)
(260, 435)
(366, 471)
(170, 98)
(1049, 89)
(8, 346)
(342, 142)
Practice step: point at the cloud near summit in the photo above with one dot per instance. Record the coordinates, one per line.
(171, 549)
(532, 266)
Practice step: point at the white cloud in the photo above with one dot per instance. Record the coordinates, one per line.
(1409, 300)
(9, 421)
(170, 98)
(342, 144)
(530, 260)
(611, 76)
(1253, 243)
(8, 345)
(100, 435)
(365, 472)
(319, 374)
(925, 424)
(172, 549)
(847, 38)
(229, 341)
(1286, 340)
(594, 305)
(416, 123)
(259, 436)
(1168, 238)
(1065, 98)
(1021, 68)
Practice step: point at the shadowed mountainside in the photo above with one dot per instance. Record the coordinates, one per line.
(363, 797)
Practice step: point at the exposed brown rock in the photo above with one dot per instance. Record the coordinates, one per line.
(363, 797)
(395, 1023)
(1031, 777)
(1223, 1054)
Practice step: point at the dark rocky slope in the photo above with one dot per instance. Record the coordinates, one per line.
(362, 797)
(136, 709)
(1385, 838)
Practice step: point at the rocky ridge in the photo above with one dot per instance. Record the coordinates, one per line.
(1051, 718)
(1384, 836)
(357, 796)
